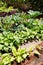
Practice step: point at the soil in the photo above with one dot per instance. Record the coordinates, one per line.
(3, 14)
(30, 44)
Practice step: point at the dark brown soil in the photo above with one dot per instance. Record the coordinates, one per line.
(3, 14)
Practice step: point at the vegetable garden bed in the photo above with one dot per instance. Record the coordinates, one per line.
(21, 37)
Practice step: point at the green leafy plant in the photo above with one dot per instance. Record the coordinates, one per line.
(6, 59)
(4, 9)
(19, 54)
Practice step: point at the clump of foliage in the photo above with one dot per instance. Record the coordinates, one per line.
(2, 4)
(4, 8)
(19, 54)
(6, 59)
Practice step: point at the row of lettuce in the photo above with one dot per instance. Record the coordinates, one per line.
(15, 30)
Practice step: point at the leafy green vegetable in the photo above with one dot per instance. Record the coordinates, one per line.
(19, 54)
(34, 14)
(6, 59)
